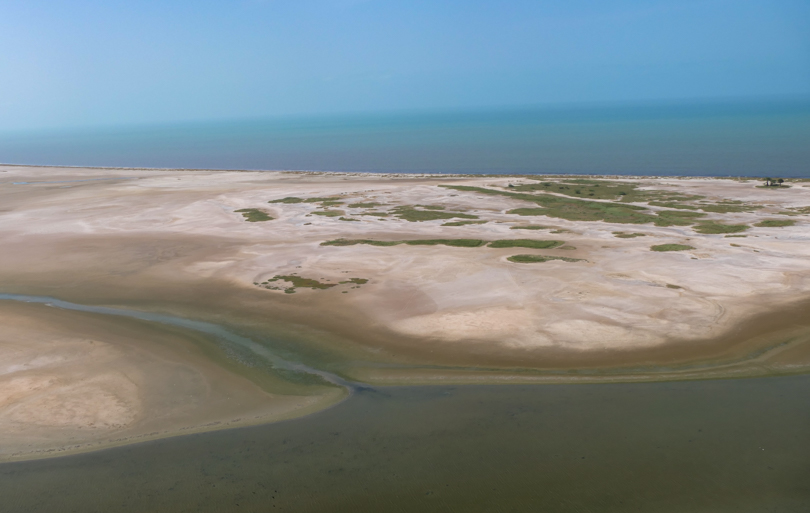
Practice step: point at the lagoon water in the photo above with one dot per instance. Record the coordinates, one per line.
(721, 446)
(712, 139)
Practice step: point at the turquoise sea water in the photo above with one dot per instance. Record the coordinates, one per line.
(725, 139)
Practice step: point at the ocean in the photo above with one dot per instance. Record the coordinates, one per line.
(706, 139)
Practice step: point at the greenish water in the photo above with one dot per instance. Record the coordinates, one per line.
(702, 446)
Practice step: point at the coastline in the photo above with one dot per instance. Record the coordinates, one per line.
(174, 242)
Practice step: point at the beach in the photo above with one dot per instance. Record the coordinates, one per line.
(382, 279)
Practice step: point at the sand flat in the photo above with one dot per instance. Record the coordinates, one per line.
(174, 241)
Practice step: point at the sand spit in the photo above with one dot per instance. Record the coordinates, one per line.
(71, 382)
(414, 284)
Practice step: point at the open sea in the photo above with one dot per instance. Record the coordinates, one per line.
(709, 139)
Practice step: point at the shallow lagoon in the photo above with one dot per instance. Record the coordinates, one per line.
(726, 445)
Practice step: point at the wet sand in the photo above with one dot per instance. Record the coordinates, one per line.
(73, 382)
(171, 241)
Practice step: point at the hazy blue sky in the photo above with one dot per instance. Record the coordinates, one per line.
(89, 62)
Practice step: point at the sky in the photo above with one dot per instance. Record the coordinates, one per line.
(79, 63)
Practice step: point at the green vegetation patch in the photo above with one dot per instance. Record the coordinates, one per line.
(672, 204)
(329, 213)
(347, 219)
(300, 282)
(530, 227)
(254, 215)
(569, 208)
(430, 207)
(531, 259)
(459, 243)
(323, 200)
(575, 209)
(671, 286)
(353, 242)
(358, 281)
(526, 243)
(725, 208)
(671, 247)
(288, 199)
(414, 215)
(581, 187)
(677, 218)
(797, 211)
(625, 235)
(606, 190)
(464, 223)
(775, 223)
(292, 199)
(712, 227)
(370, 204)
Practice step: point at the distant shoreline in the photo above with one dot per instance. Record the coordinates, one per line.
(403, 174)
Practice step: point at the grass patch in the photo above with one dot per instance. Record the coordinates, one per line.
(254, 215)
(358, 281)
(353, 242)
(430, 207)
(329, 213)
(671, 286)
(671, 247)
(672, 204)
(728, 208)
(293, 199)
(300, 282)
(288, 199)
(711, 227)
(605, 190)
(575, 209)
(530, 227)
(743, 236)
(625, 235)
(323, 200)
(526, 243)
(463, 223)
(775, 223)
(347, 219)
(531, 259)
(569, 208)
(459, 243)
(677, 218)
(370, 204)
(414, 215)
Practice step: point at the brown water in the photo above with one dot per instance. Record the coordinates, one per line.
(701, 446)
